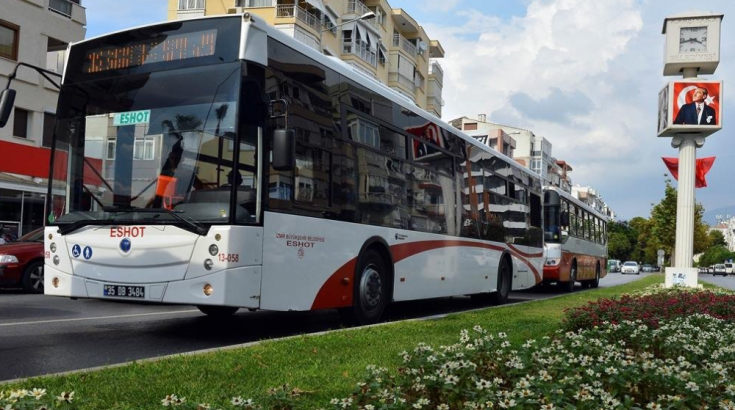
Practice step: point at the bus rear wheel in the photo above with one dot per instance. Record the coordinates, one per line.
(218, 311)
(371, 291)
(500, 296)
(595, 283)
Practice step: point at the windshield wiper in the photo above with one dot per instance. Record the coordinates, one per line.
(71, 227)
(189, 225)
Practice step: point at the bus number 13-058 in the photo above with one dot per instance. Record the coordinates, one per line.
(229, 257)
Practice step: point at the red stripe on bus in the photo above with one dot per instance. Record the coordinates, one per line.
(337, 291)
(527, 255)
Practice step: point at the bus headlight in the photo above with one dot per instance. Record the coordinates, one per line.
(208, 290)
(208, 264)
(213, 250)
(53, 247)
(552, 262)
(55, 282)
(56, 259)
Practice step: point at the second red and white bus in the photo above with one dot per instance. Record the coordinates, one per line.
(575, 241)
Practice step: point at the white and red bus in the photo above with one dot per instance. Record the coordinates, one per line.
(575, 241)
(220, 163)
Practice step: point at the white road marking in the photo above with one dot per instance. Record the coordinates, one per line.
(79, 319)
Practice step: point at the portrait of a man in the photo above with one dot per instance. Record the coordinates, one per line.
(697, 112)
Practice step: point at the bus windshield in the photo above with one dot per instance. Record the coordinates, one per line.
(552, 232)
(161, 141)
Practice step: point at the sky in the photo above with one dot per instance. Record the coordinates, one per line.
(584, 74)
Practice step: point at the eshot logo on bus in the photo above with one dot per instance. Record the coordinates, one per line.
(125, 245)
(131, 118)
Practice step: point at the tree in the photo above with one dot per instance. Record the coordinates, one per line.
(715, 254)
(716, 238)
(662, 234)
(622, 239)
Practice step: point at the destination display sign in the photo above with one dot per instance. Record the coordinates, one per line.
(154, 50)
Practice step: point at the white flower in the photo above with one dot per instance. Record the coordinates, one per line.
(65, 397)
(38, 393)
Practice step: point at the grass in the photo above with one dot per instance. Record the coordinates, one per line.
(327, 365)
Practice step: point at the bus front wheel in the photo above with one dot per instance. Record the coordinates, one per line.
(371, 291)
(569, 286)
(218, 311)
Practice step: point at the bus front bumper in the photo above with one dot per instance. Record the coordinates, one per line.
(231, 287)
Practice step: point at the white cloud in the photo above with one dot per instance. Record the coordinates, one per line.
(604, 53)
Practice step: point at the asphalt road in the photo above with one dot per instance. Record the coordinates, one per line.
(727, 282)
(43, 335)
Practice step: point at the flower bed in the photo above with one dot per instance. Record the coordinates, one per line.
(651, 306)
(685, 363)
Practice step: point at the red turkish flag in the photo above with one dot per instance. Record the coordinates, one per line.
(703, 167)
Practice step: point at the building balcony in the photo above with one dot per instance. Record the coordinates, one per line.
(435, 99)
(357, 8)
(361, 49)
(408, 83)
(255, 3)
(436, 71)
(401, 42)
(68, 8)
(289, 11)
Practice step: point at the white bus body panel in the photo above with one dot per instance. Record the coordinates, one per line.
(301, 254)
(166, 260)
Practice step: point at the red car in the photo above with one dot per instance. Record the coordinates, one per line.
(21, 262)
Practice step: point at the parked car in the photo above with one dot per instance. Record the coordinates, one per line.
(702, 269)
(647, 268)
(630, 267)
(711, 269)
(21, 262)
(656, 268)
(720, 270)
(613, 265)
(728, 268)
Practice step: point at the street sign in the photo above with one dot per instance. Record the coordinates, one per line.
(660, 252)
(131, 118)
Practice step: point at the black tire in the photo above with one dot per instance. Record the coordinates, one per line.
(218, 311)
(33, 278)
(370, 291)
(569, 286)
(595, 283)
(505, 278)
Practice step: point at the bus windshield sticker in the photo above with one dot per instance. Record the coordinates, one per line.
(131, 118)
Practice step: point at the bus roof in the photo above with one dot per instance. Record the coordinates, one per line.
(576, 201)
(344, 69)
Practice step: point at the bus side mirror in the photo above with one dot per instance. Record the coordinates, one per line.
(284, 147)
(564, 219)
(7, 99)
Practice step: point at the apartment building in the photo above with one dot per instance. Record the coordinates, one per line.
(593, 198)
(391, 47)
(528, 149)
(35, 32)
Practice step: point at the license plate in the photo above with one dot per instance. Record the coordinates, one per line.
(120, 291)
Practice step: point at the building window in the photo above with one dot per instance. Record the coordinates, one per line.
(49, 120)
(143, 148)
(470, 126)
(111, 148)
(20, 123)
(8, 40)
(191, 4)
